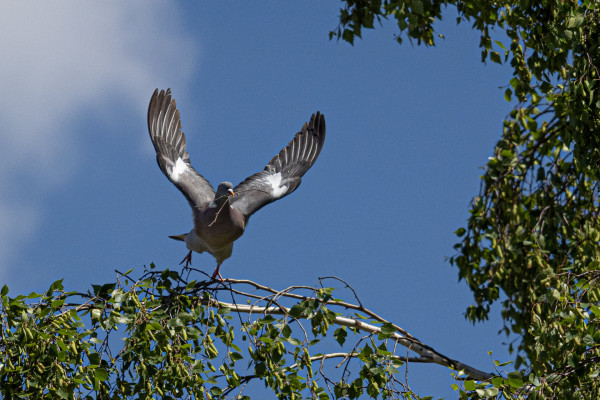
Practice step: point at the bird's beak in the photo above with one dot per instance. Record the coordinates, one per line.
(230, 192)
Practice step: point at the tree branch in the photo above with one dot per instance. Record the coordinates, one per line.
(329, 302)
(426, 353)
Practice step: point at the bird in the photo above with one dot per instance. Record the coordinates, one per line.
(221, 217)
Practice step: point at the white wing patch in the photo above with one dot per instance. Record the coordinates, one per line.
(180, 168)
(275, 181)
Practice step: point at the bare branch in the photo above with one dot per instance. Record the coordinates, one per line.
(355, 354)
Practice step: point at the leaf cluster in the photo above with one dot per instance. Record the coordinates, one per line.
(532, 239)
(163, 336)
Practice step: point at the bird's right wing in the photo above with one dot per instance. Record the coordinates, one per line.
(169, 142)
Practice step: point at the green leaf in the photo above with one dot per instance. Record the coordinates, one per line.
(216, 391)
(96, 313)
(348, 36)
(576, 21)
(94, 358)
(323, 396)
(497, 381)
(297, 311)
(417, 7)
(227, 310)
(514, 82)
(470, 386)
(340, 335)
(460, 232)
(57, 303)
(57, 285)
(495, 57)
(388, 329)
(515, 380)
(101, 374)
(327, 290)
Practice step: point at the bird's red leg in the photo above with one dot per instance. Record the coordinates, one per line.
(187, 259)
(217, 273)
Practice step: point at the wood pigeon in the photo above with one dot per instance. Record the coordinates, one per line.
(220, 218)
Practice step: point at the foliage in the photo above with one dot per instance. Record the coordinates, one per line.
(532, 240)
(163, 336)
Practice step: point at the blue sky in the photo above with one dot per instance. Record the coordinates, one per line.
(408, 130)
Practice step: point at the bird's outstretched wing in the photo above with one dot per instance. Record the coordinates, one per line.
(169, 142)
(284, 172)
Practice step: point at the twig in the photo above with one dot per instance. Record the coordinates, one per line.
(219, 212)
(345, 283)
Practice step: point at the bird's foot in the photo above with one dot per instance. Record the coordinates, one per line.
(187, 259)
(217, 273)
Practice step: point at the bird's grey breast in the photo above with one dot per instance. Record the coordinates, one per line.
(219, 227)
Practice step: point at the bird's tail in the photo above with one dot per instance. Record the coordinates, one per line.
(181, 237)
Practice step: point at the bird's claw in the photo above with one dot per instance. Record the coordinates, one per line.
(187, 259)
(217, 273)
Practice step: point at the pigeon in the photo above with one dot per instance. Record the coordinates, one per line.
(221, 217)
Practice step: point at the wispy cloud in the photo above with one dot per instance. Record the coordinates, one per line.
(58, 59)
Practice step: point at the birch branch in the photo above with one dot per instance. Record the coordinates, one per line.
(327, 356)
(426, 353)
(284, 293)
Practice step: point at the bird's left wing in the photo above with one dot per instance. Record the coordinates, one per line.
(284, 172)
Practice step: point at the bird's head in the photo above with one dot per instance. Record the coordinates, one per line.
(224, 191)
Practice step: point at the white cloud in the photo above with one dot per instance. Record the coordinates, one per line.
(64, 57)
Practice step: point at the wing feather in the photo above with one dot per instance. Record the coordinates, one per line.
(283, 174)
(164, 125)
